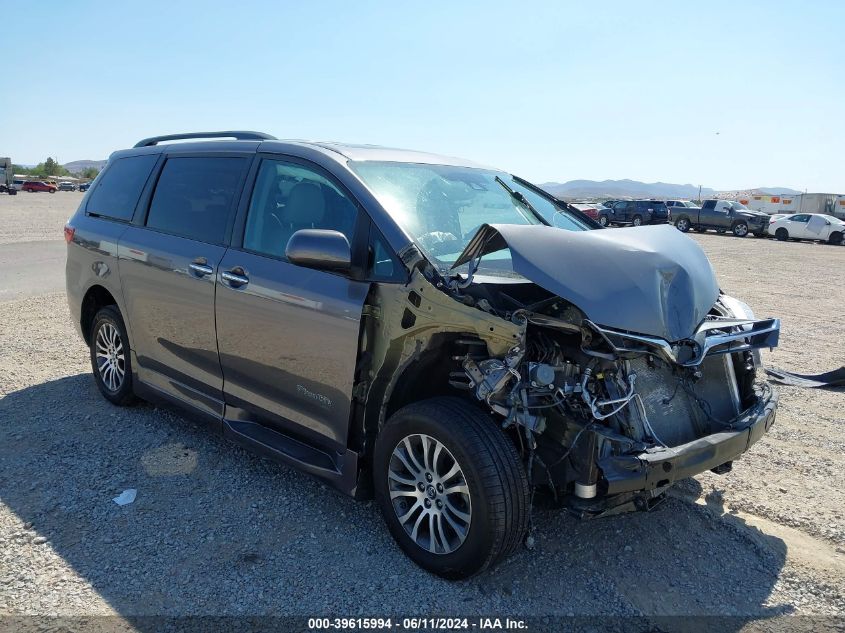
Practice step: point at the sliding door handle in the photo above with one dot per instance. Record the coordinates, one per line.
(235, 277)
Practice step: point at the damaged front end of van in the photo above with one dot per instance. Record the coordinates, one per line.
(615, 363)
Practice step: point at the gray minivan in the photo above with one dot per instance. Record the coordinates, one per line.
(443, 335)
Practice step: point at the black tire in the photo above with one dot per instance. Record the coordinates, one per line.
(683, 225)
(721, 231)
(835, 238)
(781, 235)
(493, 473)
(603, 220)
(122, 395)
(637, 220)
(740, 229)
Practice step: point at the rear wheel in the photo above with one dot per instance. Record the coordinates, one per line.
(682, 224)
(782, 235)
(110, 358)
(637, 220)
(451, 487)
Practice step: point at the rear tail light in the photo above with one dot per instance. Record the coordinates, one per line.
(69, 231)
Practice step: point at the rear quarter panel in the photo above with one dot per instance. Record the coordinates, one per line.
(92, 260)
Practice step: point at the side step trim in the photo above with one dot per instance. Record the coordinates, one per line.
(340, 470)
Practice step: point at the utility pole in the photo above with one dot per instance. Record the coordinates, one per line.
(699, 194)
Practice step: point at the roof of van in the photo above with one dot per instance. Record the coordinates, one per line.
(348, 151)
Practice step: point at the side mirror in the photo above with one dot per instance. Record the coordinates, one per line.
(320, 249)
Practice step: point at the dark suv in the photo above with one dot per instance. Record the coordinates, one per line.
(639, 212)
(413, 326)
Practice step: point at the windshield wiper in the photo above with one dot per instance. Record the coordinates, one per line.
(519, 197)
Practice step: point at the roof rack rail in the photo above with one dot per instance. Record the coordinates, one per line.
(238, 135)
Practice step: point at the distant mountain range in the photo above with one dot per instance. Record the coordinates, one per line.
(76, 166)
(636, 189)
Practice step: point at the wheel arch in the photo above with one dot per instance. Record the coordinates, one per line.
(96, 297)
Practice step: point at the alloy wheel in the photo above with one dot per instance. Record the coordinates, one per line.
(111, 361)
(683, 225)
(429, 494)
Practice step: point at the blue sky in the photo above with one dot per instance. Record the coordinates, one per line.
(724, 94)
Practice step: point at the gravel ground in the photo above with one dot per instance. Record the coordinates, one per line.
(216, 530)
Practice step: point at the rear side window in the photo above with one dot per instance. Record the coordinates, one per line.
(194, 197)
(120, 187)
(709, 204)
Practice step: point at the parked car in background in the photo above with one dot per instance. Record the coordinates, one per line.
(67, 186)
(590, 209)
(639, 212)
(722, 216)
(808, 226)
(605, 215)
(411, 325)
(84, 186)
(18, 184)
(33, 186)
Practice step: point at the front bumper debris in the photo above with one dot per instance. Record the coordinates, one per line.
(657, 469)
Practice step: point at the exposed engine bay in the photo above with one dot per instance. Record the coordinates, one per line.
(575, 395)
(606, 418)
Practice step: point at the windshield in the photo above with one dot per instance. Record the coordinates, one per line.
(738, 207)
(442, 206)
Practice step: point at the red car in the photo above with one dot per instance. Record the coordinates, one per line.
(36, 185)
(588, 209)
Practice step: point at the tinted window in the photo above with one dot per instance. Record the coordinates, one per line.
(120, 187)
(194, 197)
(288, 197)
(709, 204)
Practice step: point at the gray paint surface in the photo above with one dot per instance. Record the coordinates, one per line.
(651, 279)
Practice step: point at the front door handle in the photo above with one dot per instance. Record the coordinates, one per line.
(201, 269)
(235, 277)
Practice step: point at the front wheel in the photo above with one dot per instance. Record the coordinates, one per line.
(835, 238)
(603, 220)
(451, 487)
(110, 359)
(740, 229)
(637, 221)
(682, 224)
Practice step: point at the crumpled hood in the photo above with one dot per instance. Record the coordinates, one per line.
(751, 213)
(650, 280)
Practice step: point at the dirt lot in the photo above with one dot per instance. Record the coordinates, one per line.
(216, 530)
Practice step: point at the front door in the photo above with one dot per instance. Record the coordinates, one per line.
(797, 226)
(168, 270)
(288, 335)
